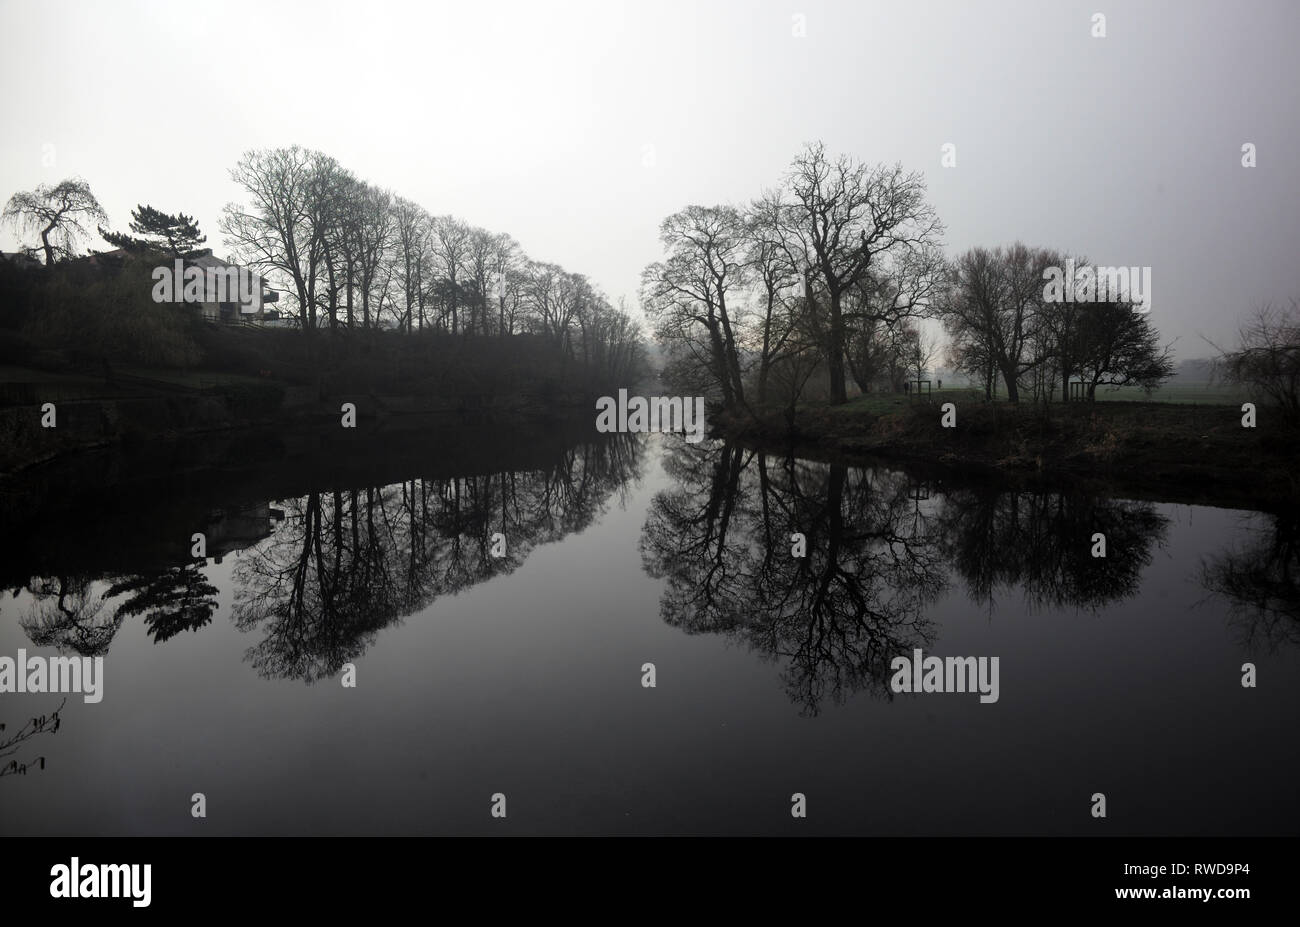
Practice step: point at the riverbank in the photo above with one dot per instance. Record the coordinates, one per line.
(135, 506)
(233, 377)
(57, 417)
(1198, 454)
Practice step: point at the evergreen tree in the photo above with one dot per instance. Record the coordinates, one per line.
(174, 235)
(172, 600)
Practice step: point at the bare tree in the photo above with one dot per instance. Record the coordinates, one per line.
(1120, 347)
(990, 308)
(542, 285)
(373, 240)
(852, 218)
(1267, 357)
(283, 229)
(59, 214)
(480, 264)
(450, 243)
(922, 349)
(412, 239)
(508, 265)
(774, 269)
(686, 294)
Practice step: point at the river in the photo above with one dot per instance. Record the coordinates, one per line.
(496, 600)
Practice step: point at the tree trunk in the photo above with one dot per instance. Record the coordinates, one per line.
(351, 316)
(49, 249)
(719, 360)
(835, 353)
(1013, 388)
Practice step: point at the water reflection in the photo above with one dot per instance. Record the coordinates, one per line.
(320, 574)
(67, 613)
(12, 742)
(1261, 584)
(321, 570)
(345, 564)
(174, 600)
(880, 548)
(722, 540)
(1039, 544)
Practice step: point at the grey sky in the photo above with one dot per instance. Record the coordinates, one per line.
(578, 127)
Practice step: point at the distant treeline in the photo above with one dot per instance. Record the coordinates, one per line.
(354, 255)
(348, 256)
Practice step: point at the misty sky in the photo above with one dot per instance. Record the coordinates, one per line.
(578, 127)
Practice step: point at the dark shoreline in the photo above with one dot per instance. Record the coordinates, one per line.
(168, 489)
(1161, 452)
(150, 420)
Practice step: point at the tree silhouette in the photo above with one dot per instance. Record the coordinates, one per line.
(881, 547)
(11, 741)
(343, 565)
(1040, 542)
(1261, 583)
(834, 618)
(173, 600)
(68, 615)
(56, 213)
(174, 235)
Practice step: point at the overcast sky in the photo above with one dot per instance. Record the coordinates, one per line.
(578, 127)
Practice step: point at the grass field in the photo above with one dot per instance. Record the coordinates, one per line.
(884, 403)
(1199, 393)
(1188, 392)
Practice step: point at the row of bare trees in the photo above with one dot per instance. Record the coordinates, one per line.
(833, 273)
(354, 255)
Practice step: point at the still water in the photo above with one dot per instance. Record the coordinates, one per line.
(522, 674)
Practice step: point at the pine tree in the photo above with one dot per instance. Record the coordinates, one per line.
(175, 235)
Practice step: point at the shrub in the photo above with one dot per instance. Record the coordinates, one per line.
(112, 315)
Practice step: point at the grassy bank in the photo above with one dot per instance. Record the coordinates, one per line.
(1179, 451)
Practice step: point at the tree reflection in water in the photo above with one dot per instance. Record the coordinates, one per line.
(721, 539)
(1261, 584)
(881, 549)
(342, 564)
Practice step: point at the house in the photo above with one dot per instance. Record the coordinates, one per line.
(224, 281)
(238, 309)
(229, 530)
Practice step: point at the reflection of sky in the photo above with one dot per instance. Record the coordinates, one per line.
(530, 685)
